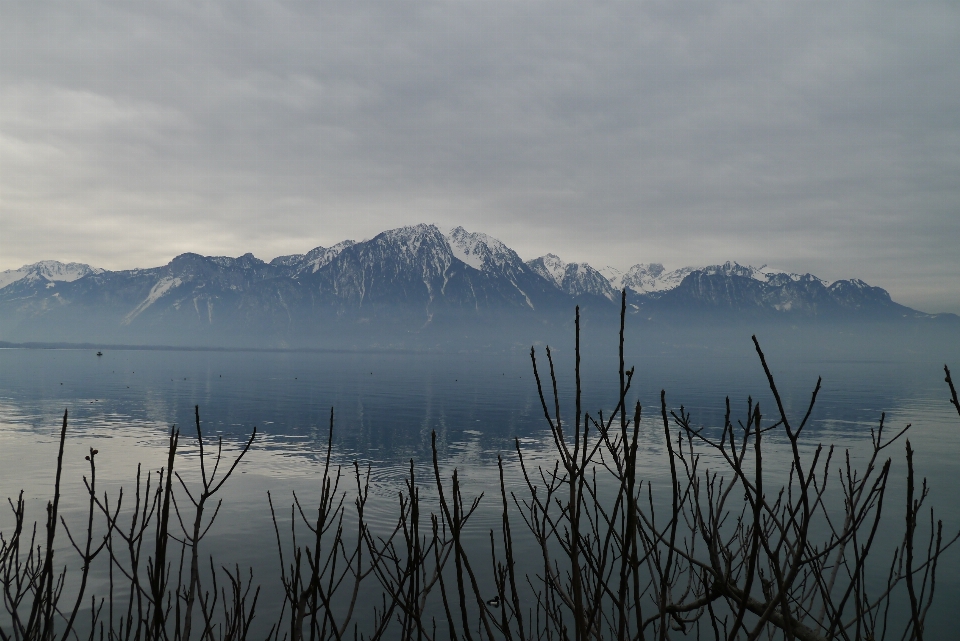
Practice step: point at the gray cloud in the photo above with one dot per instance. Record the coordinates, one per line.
(815, 136)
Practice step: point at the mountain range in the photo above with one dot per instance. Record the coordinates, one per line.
(401, 286)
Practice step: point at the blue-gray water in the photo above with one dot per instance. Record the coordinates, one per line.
(387, 405)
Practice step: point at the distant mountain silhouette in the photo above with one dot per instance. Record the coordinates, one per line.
(411, 281)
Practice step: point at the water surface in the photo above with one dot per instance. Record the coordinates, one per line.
(387, 406)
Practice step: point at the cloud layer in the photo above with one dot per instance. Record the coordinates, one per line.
(812, 136)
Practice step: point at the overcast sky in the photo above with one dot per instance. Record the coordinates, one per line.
(812, 136)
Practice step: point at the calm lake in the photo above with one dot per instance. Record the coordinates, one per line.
(387, 405)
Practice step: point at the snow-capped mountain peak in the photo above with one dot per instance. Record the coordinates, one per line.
(764, 273)
(51, 270)
(641, 277)
(313, 260)
(645, 278)
(550, 267)
(575, 279)
(411, 237)
(732, 268)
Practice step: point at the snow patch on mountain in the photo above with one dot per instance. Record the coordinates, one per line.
(482, 252)
(490, 255)
(163, 286)
(472, 249)
(51, 270)
(11, 276)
